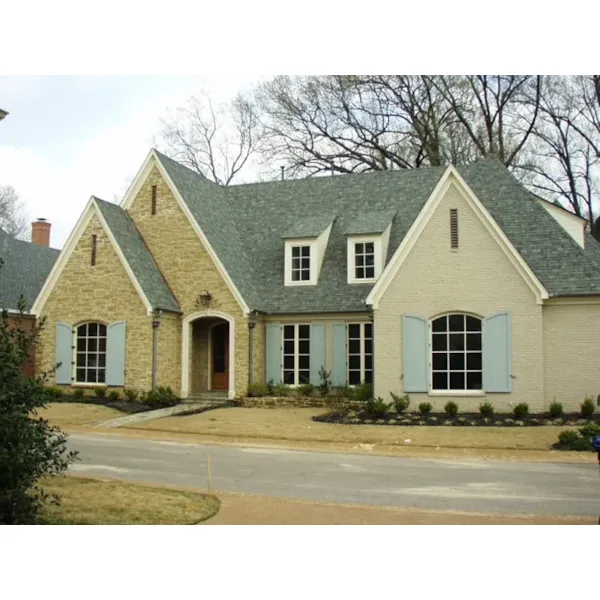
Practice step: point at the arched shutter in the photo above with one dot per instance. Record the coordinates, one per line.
(115, 353)
(415, 353)
(64, 353)
(497, 353)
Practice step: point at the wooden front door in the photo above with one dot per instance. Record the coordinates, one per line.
(219, 359)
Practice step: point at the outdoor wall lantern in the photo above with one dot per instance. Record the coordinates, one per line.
(204, 299)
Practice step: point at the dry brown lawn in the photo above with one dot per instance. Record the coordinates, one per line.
(249, 509)
(111, 502)
(75, 413)
(295, 424)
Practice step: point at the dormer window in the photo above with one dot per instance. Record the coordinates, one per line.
(364, 260)
(300, 263)
(305, 245)
(368, 235)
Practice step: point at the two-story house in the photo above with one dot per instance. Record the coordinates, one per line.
(437, 282)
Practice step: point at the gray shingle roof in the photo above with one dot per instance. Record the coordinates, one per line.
(25, 269)
(138, 256)
(308, 227)
(245, 225)
(371, 222)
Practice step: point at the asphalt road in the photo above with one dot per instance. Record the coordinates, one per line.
(489, 487)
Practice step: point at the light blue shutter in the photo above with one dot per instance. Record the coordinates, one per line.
(64, 353)
(317, 352)
(115, 354)
(496, 353)
(415, 353)
(338, 372)
(274, 352)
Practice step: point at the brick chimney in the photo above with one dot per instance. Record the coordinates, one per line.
(40, 232)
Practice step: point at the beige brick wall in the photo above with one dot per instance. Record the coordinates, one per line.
(187, 266)
(168, 367)
(571, 353)
(102, 293)
(477, 278)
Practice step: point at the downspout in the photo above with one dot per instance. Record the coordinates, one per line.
(251, 326)
(155, 324)
(372, 319)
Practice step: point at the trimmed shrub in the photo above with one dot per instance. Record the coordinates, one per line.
(400, 402)
(486, 409)
(588, 407)
(257, 390)
(556, 410)
(451, 409)
(325, 381)
(78, 393)
(100, 392)
(363, 392)
(521, 410)
(114, 396)
(376, 407)
(270, 387)
(161, 397)
(425, 408)
(589, 430)
(130, 394)
(53, 392)
(281, 390)
(345, 391)
(307, 389)
(568, 437)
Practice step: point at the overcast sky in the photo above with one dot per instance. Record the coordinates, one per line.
(67, 138)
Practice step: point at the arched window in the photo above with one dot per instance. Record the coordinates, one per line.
(456, 357)
(90, 349)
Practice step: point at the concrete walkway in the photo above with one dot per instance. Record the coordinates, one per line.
(150, 415)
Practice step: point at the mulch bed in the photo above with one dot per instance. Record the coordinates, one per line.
(349, 417)
(125, 406)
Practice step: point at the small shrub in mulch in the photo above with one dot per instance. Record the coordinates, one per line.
(579, 441)
(160, 398)
(388, 417)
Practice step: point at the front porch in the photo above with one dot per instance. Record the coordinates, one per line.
(208, 356)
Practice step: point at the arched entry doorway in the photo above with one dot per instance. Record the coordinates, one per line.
(207, 354)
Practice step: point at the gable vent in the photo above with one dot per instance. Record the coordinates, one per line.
(94, 244)
(153, 209)
(453, 228)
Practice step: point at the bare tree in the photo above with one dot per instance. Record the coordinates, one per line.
(346, 124)
(216, 142)
(497, 112)
(561, 161)
(12, 215)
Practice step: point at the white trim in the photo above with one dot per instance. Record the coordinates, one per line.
(185, 349)
(296, 354)
(90, 210)
(210, 357)
(570, 222)
(569, 300)
(351, 256)
(453, 392)
(151, 160)
(301, 243)
(453, 177)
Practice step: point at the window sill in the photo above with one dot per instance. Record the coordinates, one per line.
(473, 393)
(88, 385)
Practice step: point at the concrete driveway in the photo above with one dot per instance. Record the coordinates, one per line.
(487, 487)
